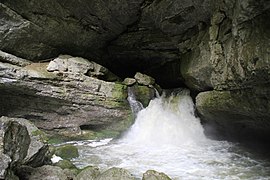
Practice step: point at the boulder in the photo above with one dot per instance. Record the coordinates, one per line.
(88, 173)
(129, 81)
(24, 142)
(116, 174)
(47, 173)
(65, 164)
(143, 79)
(154, 175)
(67, 151)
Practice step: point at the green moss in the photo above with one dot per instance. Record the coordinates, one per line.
(65, 164)
(41, 134)
(67, 151)
(119, 91)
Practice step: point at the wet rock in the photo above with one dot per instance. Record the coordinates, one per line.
(88, 173)
(115, 174)
(67, 151)
(143, 79)
(154, 175)
(47, 173)
(65, 164)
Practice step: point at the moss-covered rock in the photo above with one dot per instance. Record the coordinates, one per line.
(116, 174)
(88, 173)
(238, 113)
(67, 151)
(65, 164)
(154, 175)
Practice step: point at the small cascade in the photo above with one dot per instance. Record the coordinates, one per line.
(167, 121)
(135, 105)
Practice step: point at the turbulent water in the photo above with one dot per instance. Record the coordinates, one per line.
(167, 137)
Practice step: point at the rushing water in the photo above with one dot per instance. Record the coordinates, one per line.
(167, 137)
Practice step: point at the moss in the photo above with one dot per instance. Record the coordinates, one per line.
(119, 91)
(67, 151)
(65, 164)
(41, 135)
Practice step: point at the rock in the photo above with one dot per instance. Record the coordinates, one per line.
(22, 144)
(63, 103)
(69, 64)
(154, 175)
(11, 59)
(143, 94)
(65, 164)
(129, 81)
(88, 173)
(5, 161)
(30, 148)
(243, 114)
(143, 79)
(59, 27)
(47, 173)
(67, 151)
(115, 174)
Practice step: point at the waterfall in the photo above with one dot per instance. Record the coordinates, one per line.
(135, 105)
(167, 121)
(169, 138)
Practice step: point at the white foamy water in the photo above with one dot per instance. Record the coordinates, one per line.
(167, 137)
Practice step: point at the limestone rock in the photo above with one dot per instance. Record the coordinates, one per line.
(240, 113)
(143, 79)
(5, 57)
(62, 103)
(154, 175)
(47, 173)
(88, 173)
(115, 174)
(129, 81)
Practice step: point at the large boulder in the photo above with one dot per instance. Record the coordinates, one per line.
(21, 144)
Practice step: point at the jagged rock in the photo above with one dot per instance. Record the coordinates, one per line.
(47, 173)
(154, 175)
(129, 81)
(67, 151)
(143, 79)
(24, 142)
(88, 173)
(116, 174)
